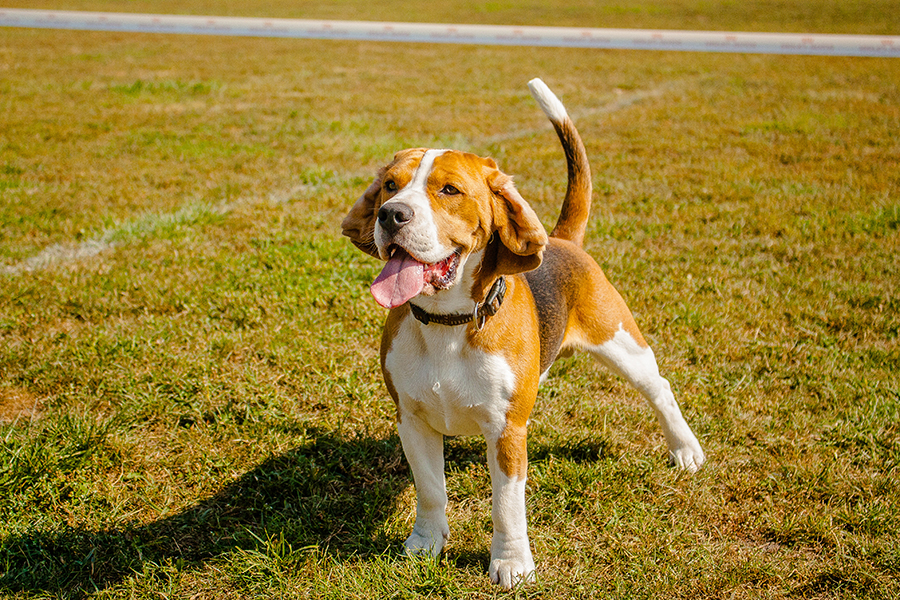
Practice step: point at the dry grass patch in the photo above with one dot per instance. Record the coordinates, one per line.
(18, 404)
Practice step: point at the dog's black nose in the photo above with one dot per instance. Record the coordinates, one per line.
(394, 215)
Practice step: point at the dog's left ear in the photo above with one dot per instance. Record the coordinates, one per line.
(359, 224)
(522, 236)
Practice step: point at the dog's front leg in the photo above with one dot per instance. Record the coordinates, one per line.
(424, 450)
(511, 560)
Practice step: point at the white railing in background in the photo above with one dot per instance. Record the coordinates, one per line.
(506, 35)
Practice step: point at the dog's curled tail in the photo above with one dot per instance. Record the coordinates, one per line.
(576, 207)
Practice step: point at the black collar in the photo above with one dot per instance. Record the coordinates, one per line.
(482, 311)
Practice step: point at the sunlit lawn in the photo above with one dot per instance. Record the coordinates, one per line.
(190, 401)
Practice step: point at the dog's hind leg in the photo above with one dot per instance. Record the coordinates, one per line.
(602, 324)
(634, 361)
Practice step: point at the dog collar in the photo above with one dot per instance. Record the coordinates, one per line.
(479, 316)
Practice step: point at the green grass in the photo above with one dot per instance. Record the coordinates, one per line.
(190, 400)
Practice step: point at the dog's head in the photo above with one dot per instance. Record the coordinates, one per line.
(429, 211)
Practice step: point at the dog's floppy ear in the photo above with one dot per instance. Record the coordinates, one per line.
(359, 224)
(522, 236)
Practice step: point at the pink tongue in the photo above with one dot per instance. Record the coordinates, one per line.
(401, 278)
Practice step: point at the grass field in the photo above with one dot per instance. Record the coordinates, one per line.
(190, 401)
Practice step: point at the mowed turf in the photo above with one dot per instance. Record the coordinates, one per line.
(190, 399)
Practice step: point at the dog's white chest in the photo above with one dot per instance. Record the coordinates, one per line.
(456, 388)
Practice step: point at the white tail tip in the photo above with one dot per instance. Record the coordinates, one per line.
(548, 101)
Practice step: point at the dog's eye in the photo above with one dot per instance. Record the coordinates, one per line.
(390, 186)
(449, 190)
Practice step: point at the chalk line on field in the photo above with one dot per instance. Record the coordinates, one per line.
(623, 101)
(58, 253)
(435, 33)
(143, 226)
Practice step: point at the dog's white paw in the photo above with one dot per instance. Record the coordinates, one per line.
(511, 564)
(509, 573)
(426, 542)
(688, 456)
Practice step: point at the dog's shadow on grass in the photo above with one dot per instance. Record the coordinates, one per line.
(328, 492)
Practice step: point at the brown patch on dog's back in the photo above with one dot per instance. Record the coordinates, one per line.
(598, 310)
(551, 285)
(576, 303)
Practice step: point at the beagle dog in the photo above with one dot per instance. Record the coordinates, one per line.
(481, 303)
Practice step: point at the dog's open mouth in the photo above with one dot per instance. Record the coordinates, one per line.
(404, 277)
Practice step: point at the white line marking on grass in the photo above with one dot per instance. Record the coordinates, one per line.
(58, 253)
(142, 227)
(623, 101)
(133, 229)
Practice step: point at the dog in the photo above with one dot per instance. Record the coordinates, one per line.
(481, 303)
